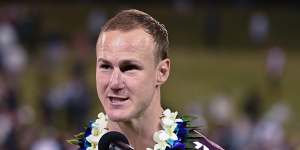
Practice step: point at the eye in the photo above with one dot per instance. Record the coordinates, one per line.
(129, 67)
(105, 66)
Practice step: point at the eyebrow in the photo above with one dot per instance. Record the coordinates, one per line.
(102, 60)
(129, 62)
(122, 62)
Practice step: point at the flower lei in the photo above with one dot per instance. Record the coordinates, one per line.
(172, 136)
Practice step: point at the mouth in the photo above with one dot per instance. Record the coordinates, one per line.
(117, 100)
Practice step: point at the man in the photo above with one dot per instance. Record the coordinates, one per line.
(132, 65)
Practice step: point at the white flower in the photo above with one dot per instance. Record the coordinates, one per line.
(164, 135)
(93, 139)
(98, 129)
(172, 115)
(92, 148)
(170, 127)
(101, 122)
(179, 120)
(168, 123)
(160, 136)
(172, 135)
(161, 146)
(101, 115)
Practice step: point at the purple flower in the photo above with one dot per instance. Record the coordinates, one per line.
(181, 130)
(178, 145)
(84, 143)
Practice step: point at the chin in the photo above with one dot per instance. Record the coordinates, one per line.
(118, 116)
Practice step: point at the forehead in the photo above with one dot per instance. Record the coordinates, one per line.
(133, 42)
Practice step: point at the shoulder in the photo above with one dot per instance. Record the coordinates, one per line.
(202, 142)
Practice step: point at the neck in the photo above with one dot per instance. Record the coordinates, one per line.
(139, 131)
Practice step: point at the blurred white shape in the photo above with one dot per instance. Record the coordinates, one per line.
(8, 35)
(259, 27)
(47, 143)
(270, 129)
(220, 109)
(57, 97)
(14, 59)
(5, 126)
(275, 61)
(13, 54)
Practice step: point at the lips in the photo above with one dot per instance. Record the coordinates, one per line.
(117, 99)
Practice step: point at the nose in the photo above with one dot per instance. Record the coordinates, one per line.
(116, 83)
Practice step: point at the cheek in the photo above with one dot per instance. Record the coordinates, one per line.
(140, 85)
(102, 82)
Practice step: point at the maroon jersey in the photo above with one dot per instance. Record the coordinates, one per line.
(202, 143)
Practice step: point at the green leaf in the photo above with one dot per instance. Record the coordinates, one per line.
(188, 118)
(74, 141)
(193, 127)
(189, 144)
(79, 135)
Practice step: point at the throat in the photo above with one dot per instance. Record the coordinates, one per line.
(142, 144)
(139, 134)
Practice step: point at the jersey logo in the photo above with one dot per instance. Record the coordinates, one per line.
(198, 145)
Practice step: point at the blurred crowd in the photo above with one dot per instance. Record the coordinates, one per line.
(64, 107)
(251, 128)
(60, 106)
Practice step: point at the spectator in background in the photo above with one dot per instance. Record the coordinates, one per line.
(13, 56)
(47, 141)
(96, 19)
(28, 27)
(55, 51)
(252, 105)
(12, 62)
(70, 97)
(221, 113)
(78, 99)
(275, 62)
(269, 133)
(259, 28)
(9, 107)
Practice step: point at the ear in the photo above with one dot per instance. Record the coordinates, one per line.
(163, 71)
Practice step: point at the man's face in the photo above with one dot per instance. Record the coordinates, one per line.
(126, 73)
